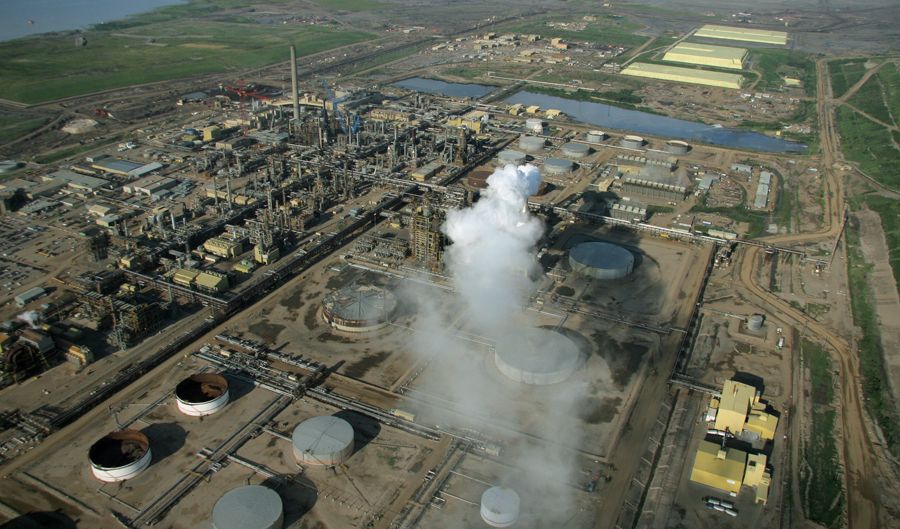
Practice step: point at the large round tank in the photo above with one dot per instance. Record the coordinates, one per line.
(509, 156)
(755, 322)
(595, 136)
(537, 356)
(500, 507)
(201, 394)
(575, 150)
(601, 260)
(677, 147)
(632, 142)
(121, 455)
(557, 166)
(249, 507)
(324, 440)
(358, 308)
(531, 143)
(535, 125)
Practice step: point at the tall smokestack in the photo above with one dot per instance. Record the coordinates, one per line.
(294, 97)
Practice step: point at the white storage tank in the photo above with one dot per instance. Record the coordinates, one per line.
(537, 356)
(359, 308)
(677, 147)
(601, 260)
(632, 142)
(535, 125)
(557, 166)
(596, 136)
(201, 394)
(531, 143)
(249, 507)
(755, 322)
(575, 150)
(121, 455)
(509, 156)
(324, 440)
(500, 507)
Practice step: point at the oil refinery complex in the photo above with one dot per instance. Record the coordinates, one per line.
(321, 298)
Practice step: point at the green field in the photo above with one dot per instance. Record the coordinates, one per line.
(350, 5)
(872, 97)
(844, 74)
(774, 64)
(890, 82)
(14, 126)
(820, 476)
(869, 145)
(152, 47)
(606, 30)
(889, 211)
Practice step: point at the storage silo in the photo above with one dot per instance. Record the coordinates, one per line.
(500, 507)
(531, 143)
(596, 136)
(677, 147)
(632, 142)
(535, 125)
(537, 356)
(575, 150)
(121, 455)
(601, 260)
(202, 394)
(510, 156)
(557, 166)
(357, 308)
(755, 322)
(249, 507)
(324, 440)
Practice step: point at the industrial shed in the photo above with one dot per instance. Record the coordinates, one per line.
(708, 55)
(719, 468)
(746, 34)
(684, 75)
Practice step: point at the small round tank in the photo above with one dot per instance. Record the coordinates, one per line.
(201, 394)
(121, 455)
(249, 507)
(509, 156)
(575, 150)
(557, 166)
(755, 322)
(500, 507)
(535, 125)
(595, 136)
(531, 143)
(632, 142)
(677, 147)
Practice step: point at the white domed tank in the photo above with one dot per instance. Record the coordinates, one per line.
(249, 507)
(596, 136)
(632, 142)
(677, 147)
(535, 125)
(500, 507)
(121, 455)
(324, 440)
(201, 394)
(357, 308)
(509, 156)
(531, 143)
(575, 150)
(755, 322)
(601, 260)
(557, 166)
(537, 357)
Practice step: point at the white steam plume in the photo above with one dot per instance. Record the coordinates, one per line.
(31, 317)
(492, 251)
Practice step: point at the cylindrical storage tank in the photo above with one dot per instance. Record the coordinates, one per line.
(535, 125)
(601, 260)
(575, 150)
(596, 136)
(677, 147)
(249, 507)
(531, 143)
(358, 308)
(556, 166)
(201, 394)
(500, 507)
(509, 156)
(120, 455)
(755, 322)
(632, 142)
(537, 356)
(324, 440)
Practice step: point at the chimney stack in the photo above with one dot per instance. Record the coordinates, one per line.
(294, 97)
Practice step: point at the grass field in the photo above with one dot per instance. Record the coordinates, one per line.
(820, 476)
(889, 211)
(872, 98)
(606, 30)
(869, 145)
(774, 64)
(14, 126)
(890, 82)
(757, 221)
(152, 47)
(844, 74)
(349, 5)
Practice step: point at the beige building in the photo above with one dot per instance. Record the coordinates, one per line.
(708, 55)
(684, 75)
(746, 34)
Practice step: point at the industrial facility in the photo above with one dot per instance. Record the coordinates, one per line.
(708, 55)
(684, 75)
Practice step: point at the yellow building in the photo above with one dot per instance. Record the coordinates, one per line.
(475, 125)
(225, 248)
(734, 406)
(211, 133)
(746, 34)
(427, 171)
(684, 75)
(213, 283)
(516, 109)
(265, 256)
(185, 277)
(708, 55)
(719, 468)
(761, 423)
(553, 113)
(757, 477)
(533, 109)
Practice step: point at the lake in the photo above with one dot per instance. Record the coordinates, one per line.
(60, 15)
(433, 86)
(656, 125)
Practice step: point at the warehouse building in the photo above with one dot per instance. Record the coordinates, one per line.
(684, 75)
(739, 409)
(225, 248)
(648, 188)
(719, 467)
(746, 34)
(708, 55)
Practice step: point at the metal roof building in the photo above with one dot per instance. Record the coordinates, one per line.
(746, 34)
(719, 468)
(684, 75)
(708, 55)
(734, 405)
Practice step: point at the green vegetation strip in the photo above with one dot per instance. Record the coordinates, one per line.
(624, 98)
(844, 74)
(869, 145)
(820, 475)
(605, 30)
(14, 127)
(871, 355)
(889, 211)
(774, 64)
(757, 221)
(871, 99)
